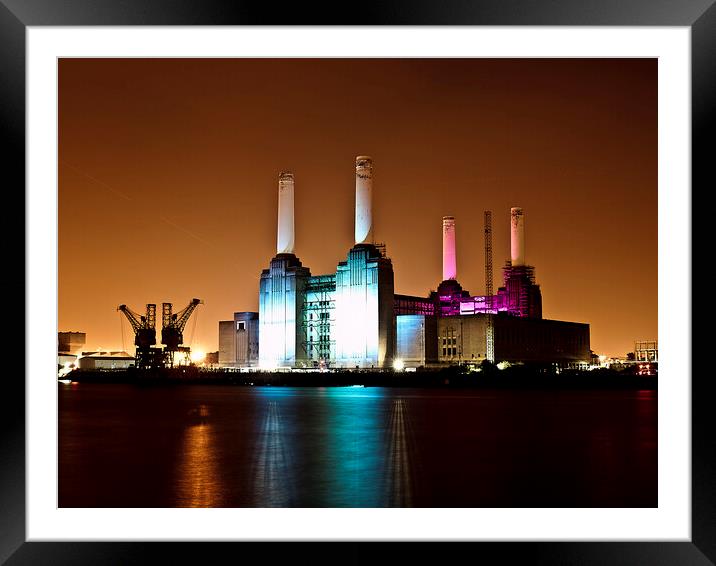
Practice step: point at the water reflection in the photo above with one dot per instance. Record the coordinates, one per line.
(349, 470)
(272, 477)
(352, 450)
(225, 446)
(399, 482)
(199, 479)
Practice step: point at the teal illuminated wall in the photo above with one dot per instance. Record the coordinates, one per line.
(282, 337)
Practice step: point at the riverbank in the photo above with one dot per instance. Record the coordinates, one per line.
(514, 377)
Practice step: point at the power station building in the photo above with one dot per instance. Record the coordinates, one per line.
(353, 319)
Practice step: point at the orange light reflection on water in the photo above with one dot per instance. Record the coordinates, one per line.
(199, 479)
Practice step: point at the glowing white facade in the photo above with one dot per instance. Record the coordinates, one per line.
(449, 257)
(364, 200)
(285, 236)
(364, 325)
(517, 236)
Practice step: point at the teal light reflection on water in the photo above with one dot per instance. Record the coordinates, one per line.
(332, 447)
(355, 454)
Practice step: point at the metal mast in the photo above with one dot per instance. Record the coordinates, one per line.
(490, 334)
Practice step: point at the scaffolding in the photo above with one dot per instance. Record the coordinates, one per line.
(316, 319)
(523, 297)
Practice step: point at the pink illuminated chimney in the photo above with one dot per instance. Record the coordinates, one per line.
(449, 258)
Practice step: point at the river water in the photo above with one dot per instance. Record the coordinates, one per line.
(234, 446)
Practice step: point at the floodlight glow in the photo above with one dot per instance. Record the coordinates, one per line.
(267, 365)
(356, 311)
(398, 365)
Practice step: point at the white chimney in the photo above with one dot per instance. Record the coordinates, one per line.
(449, 259)
(364, 200)
(517, 233)
(284, 240)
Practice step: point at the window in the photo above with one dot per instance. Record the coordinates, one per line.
(241, 325)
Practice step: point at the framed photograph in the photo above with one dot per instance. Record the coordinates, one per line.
(436, 254)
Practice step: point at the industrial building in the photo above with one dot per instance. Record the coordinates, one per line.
(354, 319)
(106, 360)
(70, 342)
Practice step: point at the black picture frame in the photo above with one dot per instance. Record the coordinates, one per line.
(699, 15)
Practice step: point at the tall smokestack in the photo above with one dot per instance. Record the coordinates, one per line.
(449, 259)
(517, 240)
(364, 200)
(284, 240)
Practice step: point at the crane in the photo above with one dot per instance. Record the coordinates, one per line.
(173, 328)
(490, 334)
(145, 334)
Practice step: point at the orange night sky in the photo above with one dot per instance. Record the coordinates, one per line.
(168, 175)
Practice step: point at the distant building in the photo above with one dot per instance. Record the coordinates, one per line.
(646, 351)
(239, 341)
(70, 342)
(211, 358)
(106, 360)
